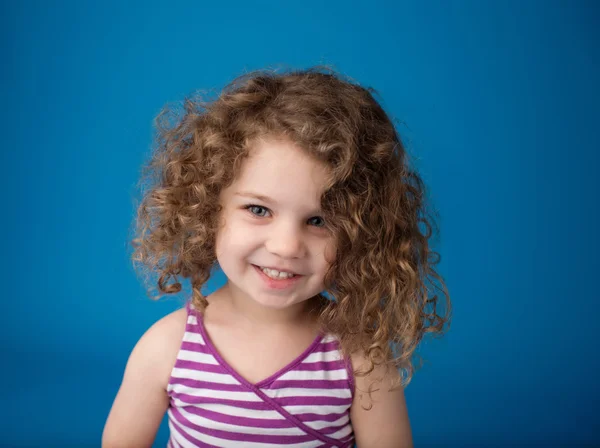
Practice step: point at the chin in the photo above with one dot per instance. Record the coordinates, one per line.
(276, 302)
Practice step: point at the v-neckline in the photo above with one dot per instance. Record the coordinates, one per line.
(211, 347)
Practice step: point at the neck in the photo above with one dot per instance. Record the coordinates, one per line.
(252, 314)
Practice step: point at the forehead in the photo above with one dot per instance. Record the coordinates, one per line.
(283, 171)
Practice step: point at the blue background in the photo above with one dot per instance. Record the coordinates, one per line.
(499, 102)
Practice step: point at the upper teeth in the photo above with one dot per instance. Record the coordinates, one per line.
(276, 274)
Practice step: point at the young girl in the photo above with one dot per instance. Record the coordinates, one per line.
(296, 185)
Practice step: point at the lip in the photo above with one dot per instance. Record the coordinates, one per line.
(280, 284)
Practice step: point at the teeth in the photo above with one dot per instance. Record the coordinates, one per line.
(276, 274)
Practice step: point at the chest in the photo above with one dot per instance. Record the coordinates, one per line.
(258, 357)
(307, 397)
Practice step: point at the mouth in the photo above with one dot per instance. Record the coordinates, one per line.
(279, 281)
(277, 274)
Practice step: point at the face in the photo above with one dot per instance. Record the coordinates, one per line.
(271, 218)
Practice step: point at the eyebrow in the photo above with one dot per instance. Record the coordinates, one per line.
(260, 197)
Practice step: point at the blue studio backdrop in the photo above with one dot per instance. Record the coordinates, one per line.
(498, 103)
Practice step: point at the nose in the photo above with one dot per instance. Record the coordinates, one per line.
(286, 240)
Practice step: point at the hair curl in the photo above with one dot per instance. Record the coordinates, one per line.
(374, 205)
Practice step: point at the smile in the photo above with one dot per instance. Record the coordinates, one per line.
(275, 274)
(277, 280)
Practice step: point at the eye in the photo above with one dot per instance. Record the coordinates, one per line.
(317, 221)
(257, 210)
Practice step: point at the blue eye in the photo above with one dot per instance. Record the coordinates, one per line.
(320, 221)
(257, 210)
(262, 212)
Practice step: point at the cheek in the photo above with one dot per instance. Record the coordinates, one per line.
(235, 236)
(221, 237)
(219, 244)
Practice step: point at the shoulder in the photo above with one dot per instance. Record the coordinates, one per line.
(381, 418)
(167, 331)
(170, 326)
(142, 399)
(156, 351)
(380, 379)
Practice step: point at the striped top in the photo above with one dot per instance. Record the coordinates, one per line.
(306, 404)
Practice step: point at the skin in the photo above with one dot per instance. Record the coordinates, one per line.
(282, 228)
(271, 218)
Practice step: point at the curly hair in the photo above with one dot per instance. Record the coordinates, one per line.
(382, 284)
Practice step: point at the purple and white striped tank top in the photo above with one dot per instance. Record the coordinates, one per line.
(305, 404)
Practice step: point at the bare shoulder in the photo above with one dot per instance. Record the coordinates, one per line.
(161, 342)
(170, 326)
(380, 419)
(156, 350)
(142, 399)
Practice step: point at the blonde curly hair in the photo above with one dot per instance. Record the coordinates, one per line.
(382, 284)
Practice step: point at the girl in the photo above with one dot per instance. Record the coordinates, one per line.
(296, 185)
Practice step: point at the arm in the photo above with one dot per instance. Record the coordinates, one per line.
(386, 424)
(142, 399)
